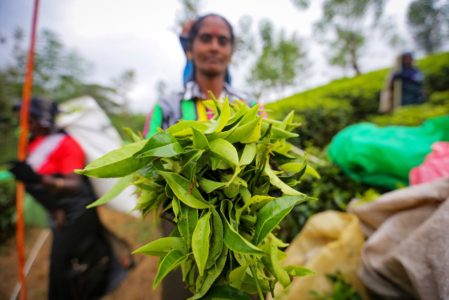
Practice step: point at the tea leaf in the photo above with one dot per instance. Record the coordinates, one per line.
(272, 213)
(163, 245)
(121, 184)
(187, 222)
(299, 271)
(200, 242)
(117, 163)
(216, 241)
(210, 276)
(199, 139)
(278, 271)
(274, 180)
(234, 241)
(209, 185)
(225, 150)
(184, 191)
(169, 262)
(248, 155)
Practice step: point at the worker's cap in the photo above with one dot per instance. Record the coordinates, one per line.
(42, 109)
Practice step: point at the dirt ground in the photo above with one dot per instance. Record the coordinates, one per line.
(137, 285)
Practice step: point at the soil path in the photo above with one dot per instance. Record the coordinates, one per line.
(137, 285)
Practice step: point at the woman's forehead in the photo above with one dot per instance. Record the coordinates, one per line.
(214, 25)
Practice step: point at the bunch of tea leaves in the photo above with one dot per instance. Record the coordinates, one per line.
(226, 184)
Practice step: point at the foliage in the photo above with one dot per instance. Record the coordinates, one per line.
(350, 100)
(347, 44)
(190, 10)
(333, 191)
(226, 184)
(427, 20)
(280, 61)
(341, 290)
(343, 27)
(59, 74)
(7, 209)
(412, 115)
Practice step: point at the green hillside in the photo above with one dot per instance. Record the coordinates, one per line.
(327, 109)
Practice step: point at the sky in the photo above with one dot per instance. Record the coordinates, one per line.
(117, 35)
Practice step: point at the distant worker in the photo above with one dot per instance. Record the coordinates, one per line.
(82, 262)
(404, 85)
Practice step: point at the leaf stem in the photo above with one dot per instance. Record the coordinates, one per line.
(259, 289)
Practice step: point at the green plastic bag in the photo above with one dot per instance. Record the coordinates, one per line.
(384, 156)
(35, 214)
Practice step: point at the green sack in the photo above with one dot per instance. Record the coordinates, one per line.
(384, 156)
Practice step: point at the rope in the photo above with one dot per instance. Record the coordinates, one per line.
(31, 258)
(22, 151)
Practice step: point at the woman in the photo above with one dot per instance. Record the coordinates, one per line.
(81, 258)
(210, 46)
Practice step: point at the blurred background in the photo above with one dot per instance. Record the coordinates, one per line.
(328, 60)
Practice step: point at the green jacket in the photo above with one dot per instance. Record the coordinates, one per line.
(182, 106)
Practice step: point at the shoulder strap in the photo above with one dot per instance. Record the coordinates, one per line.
(41, 153)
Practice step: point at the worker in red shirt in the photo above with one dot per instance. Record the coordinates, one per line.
(81, 256)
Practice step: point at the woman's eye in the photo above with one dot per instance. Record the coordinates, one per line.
(205, 38)
(223, 41)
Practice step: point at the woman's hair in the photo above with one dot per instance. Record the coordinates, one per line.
(197, 26)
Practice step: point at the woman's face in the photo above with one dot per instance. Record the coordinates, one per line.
(212, 47)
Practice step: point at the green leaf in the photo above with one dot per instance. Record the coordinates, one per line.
(117, 163)
(211, 275)
(168, 263)
(209, 186)
(161, 144)
(199, 140)
(253, 200)
(188, 217)
(299, 271)
(185, 127)
(216, 241)
(248, 155)
(278, 271)
(312, 172)
(237, 276)
(272, 214)
(255, 134)
(121, 184)
(234, 241)
(224, 116)
(277, 133)
(163, 245)
(242, 131)
(190, 166)
(200, 242)
(184, 190)
(169, 150)
(224, 293)
(293, 167)
(274, 180)
(225, 150)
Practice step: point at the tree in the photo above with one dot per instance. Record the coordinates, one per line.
(278, 64)
(59, 74)
(343, 27)
(428, 23)
(190, 9)
(347, 45)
